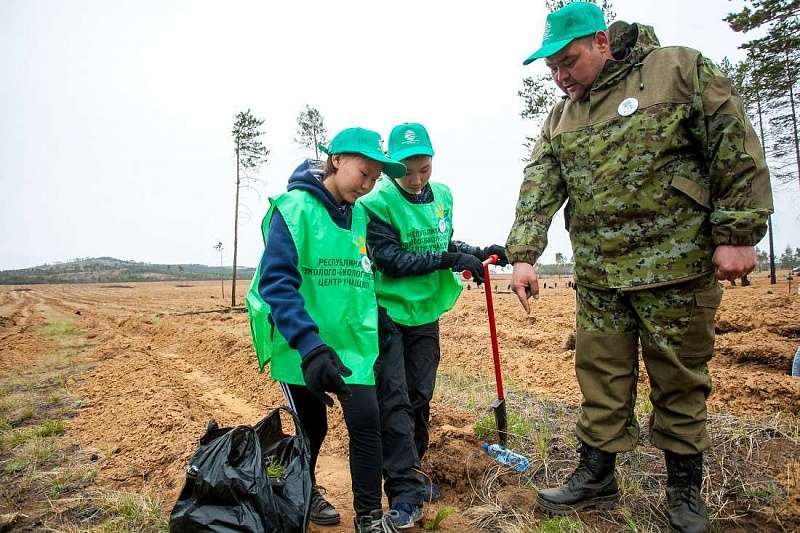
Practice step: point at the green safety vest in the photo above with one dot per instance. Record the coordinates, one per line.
(337, 286)
(416, 300)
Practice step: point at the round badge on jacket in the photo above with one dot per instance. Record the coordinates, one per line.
(442, 225)
(628, 107)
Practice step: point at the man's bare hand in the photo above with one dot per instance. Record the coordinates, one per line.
(525, 284)
(733, 261)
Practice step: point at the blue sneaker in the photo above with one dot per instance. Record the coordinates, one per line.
(432, 492)
(405, 515)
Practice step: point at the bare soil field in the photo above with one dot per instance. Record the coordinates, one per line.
(135, 372)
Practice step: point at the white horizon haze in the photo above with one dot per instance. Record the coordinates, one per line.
(115, 117)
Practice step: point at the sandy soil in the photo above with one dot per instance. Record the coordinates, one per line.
(159, 374)
(758, 331)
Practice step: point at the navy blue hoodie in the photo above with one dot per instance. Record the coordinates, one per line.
(280, 280)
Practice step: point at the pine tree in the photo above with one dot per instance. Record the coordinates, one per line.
(775, 58)
(763, 259)
(787, 258)
(219, 247)
(250, 155)
(311, 130)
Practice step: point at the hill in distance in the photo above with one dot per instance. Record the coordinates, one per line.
(109, 269)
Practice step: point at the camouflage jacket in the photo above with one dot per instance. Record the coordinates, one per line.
(651, 194)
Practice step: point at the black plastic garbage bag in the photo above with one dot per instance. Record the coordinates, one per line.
(246, 478)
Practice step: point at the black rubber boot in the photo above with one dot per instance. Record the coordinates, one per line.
(321, 511)
(685, 507)
(592, 484)
(374, 522)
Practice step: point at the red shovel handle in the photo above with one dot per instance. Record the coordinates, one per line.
(498, 373)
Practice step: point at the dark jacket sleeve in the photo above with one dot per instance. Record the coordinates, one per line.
(279, 286)
(385, 250)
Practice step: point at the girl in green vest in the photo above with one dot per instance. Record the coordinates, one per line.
(313, 312)
(409, 240)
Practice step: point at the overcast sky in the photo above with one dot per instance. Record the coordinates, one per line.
(115, 117)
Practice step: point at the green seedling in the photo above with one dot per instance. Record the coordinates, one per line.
(441, 516)
(561, 524)
(275, 470)
(518, 427)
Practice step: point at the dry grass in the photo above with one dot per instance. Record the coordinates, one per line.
(489, 513)
(59, 327)
(40, 467)
(126, 512)
(737, 483)
(30, 455)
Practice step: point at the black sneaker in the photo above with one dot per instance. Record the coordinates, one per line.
(405, 515)
(374, 522)
(321, 511)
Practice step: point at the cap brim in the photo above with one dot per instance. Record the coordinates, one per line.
(411, 151)
(547, 50)
(392, 168)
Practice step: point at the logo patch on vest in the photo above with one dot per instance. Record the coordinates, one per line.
(361, 245)
(442, 214)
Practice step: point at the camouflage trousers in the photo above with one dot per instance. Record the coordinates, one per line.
(675, 326)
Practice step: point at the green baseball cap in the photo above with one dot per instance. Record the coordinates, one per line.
(409, 139)
(364, 142)
(573, 21)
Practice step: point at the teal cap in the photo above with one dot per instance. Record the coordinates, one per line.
(364, 142)
(409, 139)
(573, 21)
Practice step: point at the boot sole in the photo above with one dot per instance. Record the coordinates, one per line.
(674, 530)
(557, 509)
(325, 521)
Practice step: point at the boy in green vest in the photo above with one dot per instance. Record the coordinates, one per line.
(409, 240)
(313, 312)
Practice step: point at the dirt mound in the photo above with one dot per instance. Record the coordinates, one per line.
(450, 439)
(756, 347)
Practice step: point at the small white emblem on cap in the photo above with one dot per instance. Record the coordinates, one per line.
(628, 107)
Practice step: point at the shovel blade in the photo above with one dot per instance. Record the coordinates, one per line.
(501, 421)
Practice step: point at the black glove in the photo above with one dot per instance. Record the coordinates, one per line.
(499, 251)
(323, 371)
(459, 262)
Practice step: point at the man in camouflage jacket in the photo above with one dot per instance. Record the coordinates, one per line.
(667, 191)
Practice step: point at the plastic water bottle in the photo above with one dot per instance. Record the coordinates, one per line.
(505, 456)
(796, 364)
